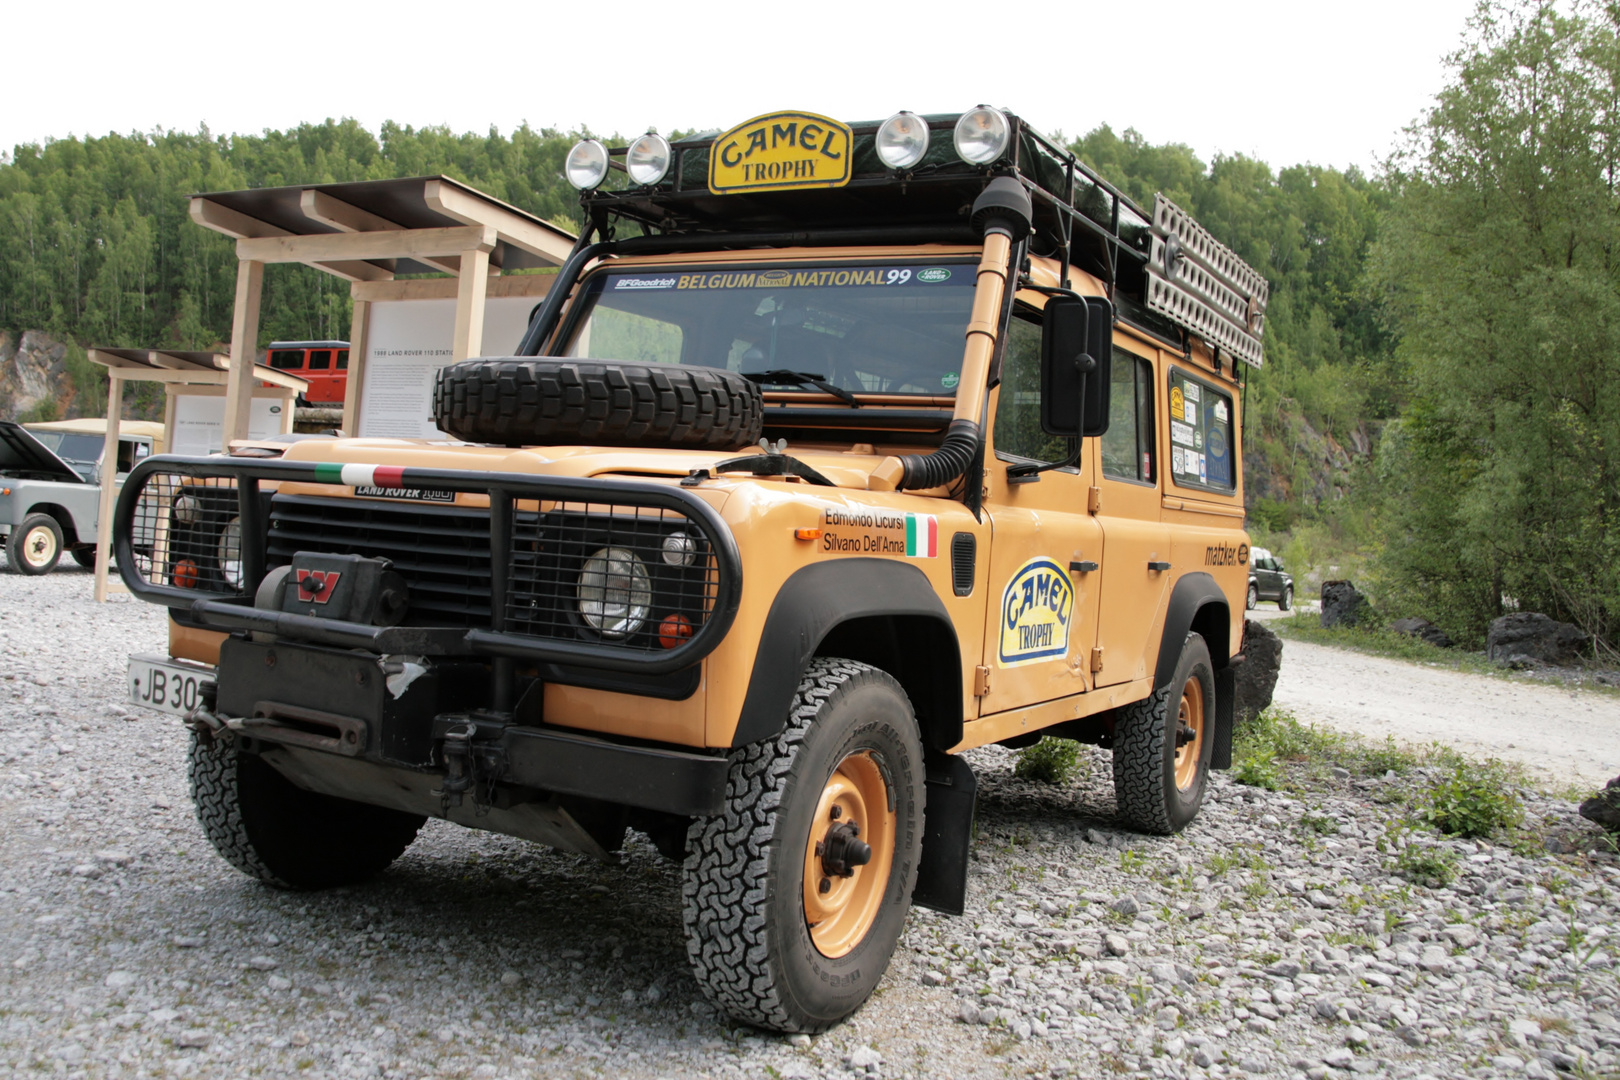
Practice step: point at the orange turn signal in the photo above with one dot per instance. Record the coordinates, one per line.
(673, 630)
(185, 574)
(807, 534)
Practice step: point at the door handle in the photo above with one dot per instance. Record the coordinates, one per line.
(1085, 566)
(1156, 565)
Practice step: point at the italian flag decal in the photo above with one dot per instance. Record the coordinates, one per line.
(922, 536)
(382, 476)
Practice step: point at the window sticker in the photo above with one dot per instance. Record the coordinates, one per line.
(1200, 434)
(1036, 609)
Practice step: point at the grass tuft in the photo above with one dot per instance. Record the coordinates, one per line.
(1050, 761)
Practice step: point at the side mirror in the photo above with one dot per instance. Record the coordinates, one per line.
(1077, 336)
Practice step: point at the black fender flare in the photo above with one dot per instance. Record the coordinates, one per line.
(1197, 603)
(865, 596)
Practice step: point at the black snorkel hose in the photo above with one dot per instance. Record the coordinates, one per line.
(1003, 213)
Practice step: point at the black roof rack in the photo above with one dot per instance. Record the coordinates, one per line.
(1165, 274)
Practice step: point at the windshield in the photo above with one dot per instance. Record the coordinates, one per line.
(859, 326)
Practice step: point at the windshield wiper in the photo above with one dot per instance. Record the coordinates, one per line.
(802, 378)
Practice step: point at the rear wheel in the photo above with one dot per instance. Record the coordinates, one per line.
(281, 834)
(796, 895)
(85, 557)
(35, 545)
(1162, 747)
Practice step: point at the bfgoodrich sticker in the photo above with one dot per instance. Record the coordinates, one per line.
(1036, 609)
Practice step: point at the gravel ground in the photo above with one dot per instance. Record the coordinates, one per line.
(1269, 938)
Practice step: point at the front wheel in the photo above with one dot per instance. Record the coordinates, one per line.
(35, 545)
(1162, 746)
(268, 828)
(796, 895)
(1287, 599)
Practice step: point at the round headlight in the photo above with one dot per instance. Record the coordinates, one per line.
(587, 164)
(981, 135)
(187, 510)
(902, 140)
(615, 592)
(229, 551)
(679, 549)
(647, 160)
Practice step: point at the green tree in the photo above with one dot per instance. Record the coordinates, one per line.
(1500, 262)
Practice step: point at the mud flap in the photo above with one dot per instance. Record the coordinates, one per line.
(947, 834)
(1220, 756)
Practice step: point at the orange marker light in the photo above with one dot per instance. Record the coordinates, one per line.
(673, 630)
(807, 534)
(185, 574)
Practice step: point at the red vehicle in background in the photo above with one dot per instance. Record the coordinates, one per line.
(325, 364)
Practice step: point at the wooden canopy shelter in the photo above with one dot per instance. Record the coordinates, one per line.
(204, 371)
(370, 232)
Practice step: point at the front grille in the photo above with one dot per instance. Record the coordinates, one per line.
(442, 551)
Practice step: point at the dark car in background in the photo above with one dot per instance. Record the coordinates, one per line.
(1268, 580)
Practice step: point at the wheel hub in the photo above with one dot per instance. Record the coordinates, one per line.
(843, 850)
(1189, 736)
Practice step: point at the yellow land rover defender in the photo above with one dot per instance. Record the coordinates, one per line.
(834, 451)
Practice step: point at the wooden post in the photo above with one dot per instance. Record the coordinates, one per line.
(244, 349)
(355, 385)
(109, 482)
(471, 288)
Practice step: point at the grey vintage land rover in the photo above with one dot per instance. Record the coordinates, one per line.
(50, 493)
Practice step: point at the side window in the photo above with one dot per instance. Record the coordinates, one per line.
(1128, 444)
(287, 359)
(1018, 433)
(320, 359)
(1200, 434)
(343, 360)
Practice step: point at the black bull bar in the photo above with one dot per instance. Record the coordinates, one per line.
(234, 611)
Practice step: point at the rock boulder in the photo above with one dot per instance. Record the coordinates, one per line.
(1257, 675)
(1526, 638)
(1420, 627)
(1604, 807)
(1342, 604)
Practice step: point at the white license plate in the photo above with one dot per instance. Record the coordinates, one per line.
(167, 685)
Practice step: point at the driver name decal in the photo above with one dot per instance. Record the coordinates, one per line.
(1036, 608)
(866, 530)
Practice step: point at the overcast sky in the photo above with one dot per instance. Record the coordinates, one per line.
(1282, 80)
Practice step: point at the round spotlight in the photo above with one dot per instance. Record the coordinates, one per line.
(648, 158)
(679, 549)
(902, 140)
(587, 164)
(982, 135)
(615, 592)
(187, 510)
(229, 551)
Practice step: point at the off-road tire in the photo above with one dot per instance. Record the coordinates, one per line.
(1145, 788)
(549, 401)
(35, 545)
(1286, 600)
(1254, 596)
(743, 878)
(85, 557)
(281, 834)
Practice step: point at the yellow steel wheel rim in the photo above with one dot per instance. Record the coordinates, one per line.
(1191, 715)
(839, 918)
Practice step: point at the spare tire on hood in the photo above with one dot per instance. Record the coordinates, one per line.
(556, 401)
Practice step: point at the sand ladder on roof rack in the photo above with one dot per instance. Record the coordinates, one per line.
(1201, 284)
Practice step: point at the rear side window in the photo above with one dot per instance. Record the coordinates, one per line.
(1127, 445)
(287, 359)
(1200, 434)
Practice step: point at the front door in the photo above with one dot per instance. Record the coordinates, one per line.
(1044, 544)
